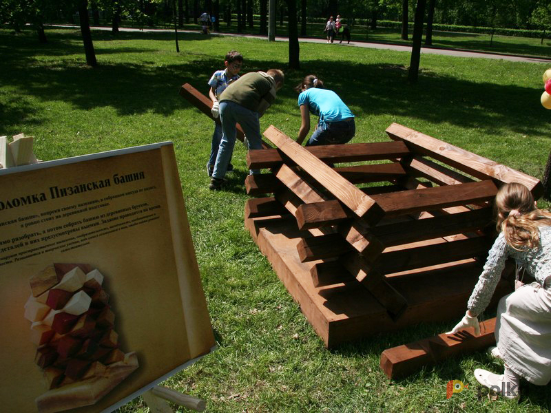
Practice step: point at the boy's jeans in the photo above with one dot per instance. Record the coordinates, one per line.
(230, 114)
(216, 137)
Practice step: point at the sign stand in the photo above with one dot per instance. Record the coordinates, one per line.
(156, 400)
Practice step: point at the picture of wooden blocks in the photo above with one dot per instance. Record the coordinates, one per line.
(73, 329)
(375, 237)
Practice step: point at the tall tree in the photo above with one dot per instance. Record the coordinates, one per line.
(430, 18)
(303, 17)
(86, 33)
(413, 74)
(263, 17)
(294, 48)
(405, 19)
(180, 13)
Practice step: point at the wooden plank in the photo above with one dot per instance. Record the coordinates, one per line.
(263, 207)
(439, 226)
(261, 184)
(372, 173)
(376, 284)
(361, 204)
(401, 361)
(357, 234)
(6, 158)
(325, 246)
(352, 152)
(425, 168)
(304, 190)
(204, 104)
(320, 214)
(424, 256)
(328, 273)
(427, 199)
(461, 159)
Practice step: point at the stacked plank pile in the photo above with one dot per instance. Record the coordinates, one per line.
(395, 236)
(73, 328)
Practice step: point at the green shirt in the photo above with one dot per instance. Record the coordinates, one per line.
(254, 91)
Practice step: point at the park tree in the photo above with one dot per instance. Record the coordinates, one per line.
(430, 19)
(541, 17)
(405, 19)
(415, 60)
(294, 49)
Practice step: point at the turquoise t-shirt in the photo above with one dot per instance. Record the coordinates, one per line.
(325, 103)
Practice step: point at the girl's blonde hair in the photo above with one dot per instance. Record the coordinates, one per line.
(518, 217)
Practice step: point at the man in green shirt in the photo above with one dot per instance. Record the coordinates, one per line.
(244, 102)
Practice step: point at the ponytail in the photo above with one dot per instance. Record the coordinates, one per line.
(518, 217)
(309, 81)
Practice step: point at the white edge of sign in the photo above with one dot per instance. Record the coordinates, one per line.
(81, 158)
(154, 383)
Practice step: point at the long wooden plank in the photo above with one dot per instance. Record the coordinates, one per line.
(439, 226)
(204, 104)
(353, 152)
(263, 207)
(424, 256)
(461, 159)
(406, 202)
(323, 247)
(401, 361)
(372, 173)
(360, 203)
(261, 184)
(320, 214)
(425, 168)
(376, 284)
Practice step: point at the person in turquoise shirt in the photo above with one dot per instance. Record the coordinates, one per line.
(336, 121)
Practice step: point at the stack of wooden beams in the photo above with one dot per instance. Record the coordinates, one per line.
(392, 235)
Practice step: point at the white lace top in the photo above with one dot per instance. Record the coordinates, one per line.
(536, 261)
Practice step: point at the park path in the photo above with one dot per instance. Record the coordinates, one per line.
(386, 46)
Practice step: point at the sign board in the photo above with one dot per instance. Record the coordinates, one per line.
(100, 293)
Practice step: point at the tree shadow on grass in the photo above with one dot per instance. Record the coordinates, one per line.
(369, 89)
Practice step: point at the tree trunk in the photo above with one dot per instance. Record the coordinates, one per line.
(281, 14)
(216, 15)
(95, 12)
(547, 179)
(116, 16)
(294, 49)
(430, 18)
(239, 19)
(405, 19)
(174, 10)
(417, 36)
(41, 34)
(180, 13)
(186, 7)
(250, 17)
(243, 14)
(303, 4)
(374, 20)
(263, 17)
(228, 15)
(86, 34)
(195, 10)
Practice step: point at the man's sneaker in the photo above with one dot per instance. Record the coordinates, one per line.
(216, 184)
(230, 168)
(210, 169)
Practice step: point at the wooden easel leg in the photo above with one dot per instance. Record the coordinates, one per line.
(157, 396)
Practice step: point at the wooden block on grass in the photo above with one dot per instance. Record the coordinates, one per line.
(401, 361)
(6, 158)
(22, 150)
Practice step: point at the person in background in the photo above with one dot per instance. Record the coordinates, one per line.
(330, 29)
(336, 121)
(523, 321)
(344, 31)
(218, 83)
(244, 102)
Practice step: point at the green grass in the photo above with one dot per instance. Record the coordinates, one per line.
(269, 358)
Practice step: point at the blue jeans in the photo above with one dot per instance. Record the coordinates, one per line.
(332, 133)
(216, 138)
(232, 113)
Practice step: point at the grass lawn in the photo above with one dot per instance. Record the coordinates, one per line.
(269, 358)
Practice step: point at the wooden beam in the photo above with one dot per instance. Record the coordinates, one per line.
(461, 159)
(328, 273)
(322, 247)
(261, 184)
(439, 226)
(428, 255)
(407, 202)
(360, 174)
(376, 284)
(204, 104)
(401, 361)
(352, 152)
(361, 204)
(425, 168)
(263, 207)
(320, 214)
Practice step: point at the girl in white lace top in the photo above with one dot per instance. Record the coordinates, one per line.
(523, 323)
